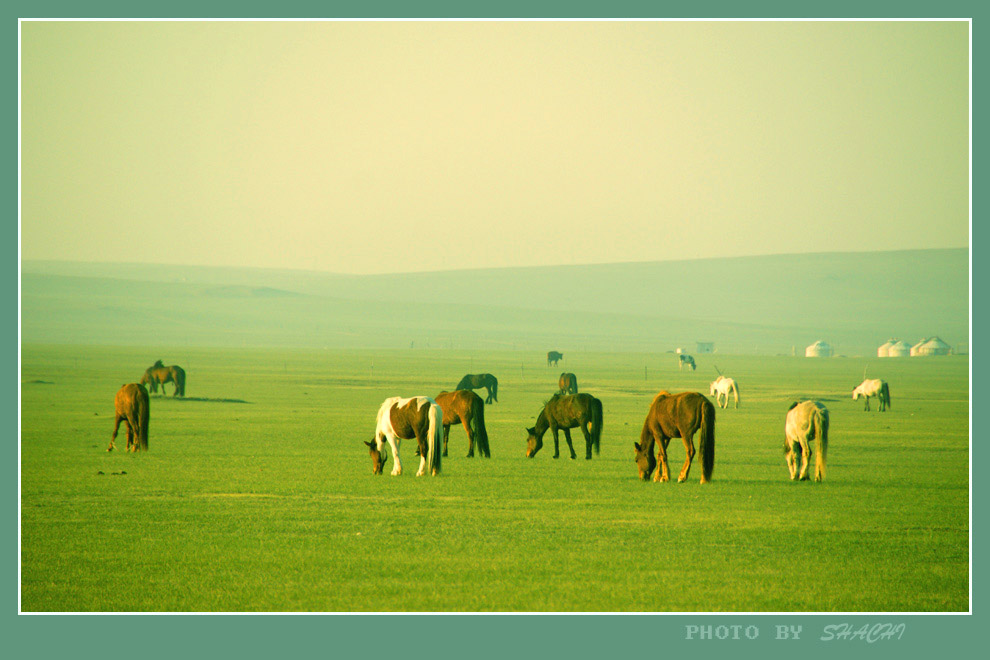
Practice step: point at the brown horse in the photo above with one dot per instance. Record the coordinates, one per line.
(567, 383)
(474, 381)
(567, 412)
(158, 374)
(468, 408)
(131, 405)
(677, 416)
(553, 357)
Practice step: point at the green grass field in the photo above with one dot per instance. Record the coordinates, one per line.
(257, 492)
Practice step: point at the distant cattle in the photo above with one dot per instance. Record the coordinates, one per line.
(553, 357)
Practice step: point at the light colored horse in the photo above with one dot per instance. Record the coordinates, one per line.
(874, 387)
(721, 388)
(401, 419)
(682, 359)
(806, 421)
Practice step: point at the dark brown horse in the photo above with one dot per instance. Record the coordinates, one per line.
(468, 408)
(566, 412)
(567, 383)
(474, 381)
(132, 407)
(677, 416)
(158, 374)
(553, 357)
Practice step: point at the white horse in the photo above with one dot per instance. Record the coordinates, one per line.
(721, 388)
(874, 387)
(805, 422)
(404, 419)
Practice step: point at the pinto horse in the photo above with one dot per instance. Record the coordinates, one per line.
(721, 388)
(874, 387)
(474, 381)
(158, 374)
(553, 357)
(806, 421)
(468, 408)
(404, 419)
(567, 412)
(132, 407)
(567, 383)
(682, 359)
(677, 416)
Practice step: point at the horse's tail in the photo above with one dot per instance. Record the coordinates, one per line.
(596, 424)
(820, 421)
(143, 417)
(707, 441)
(494, 389)
(180, 380)
(478, 422)
(886, 393)
(435, 438)
(735, 392)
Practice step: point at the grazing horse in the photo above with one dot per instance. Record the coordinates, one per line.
(566, 412)
(553, 357)
(404, 419)
(158, 374)
(466, 407)
(682, 359)
(132, 407)
(474, 381)
(567, 383)
(677, 416)
(721, 389)
(806, 421)
(874, 387)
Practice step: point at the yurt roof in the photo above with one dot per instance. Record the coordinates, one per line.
(935, 342)
(901, 344)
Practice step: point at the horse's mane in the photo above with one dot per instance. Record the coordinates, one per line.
(793, 406)
(661, 395)
(158, 363)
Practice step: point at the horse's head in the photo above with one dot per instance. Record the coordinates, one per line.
(711, 389)
(645, 460)
(855, 393)
(534, 443)
(378, 457)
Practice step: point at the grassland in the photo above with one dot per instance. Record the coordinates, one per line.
(257, 493)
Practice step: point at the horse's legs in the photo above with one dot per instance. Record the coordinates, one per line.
(396, 461)
(556, 442)
(446, 434)
(689, 449)
(805, 453)
(424, 451)
(587, 440)
(567, 436)
(867, 403)
(792, 448)
(489, 390)
(467, 427)
(660, 440)
(131, 440)
(116, 427)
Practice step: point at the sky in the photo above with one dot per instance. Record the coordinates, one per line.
(372, 147)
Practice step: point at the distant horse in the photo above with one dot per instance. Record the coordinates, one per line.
(877, 388)
(132, 407)
(806, 421)
(474, 381)
(677, 416)
(567, 383)
(567, 412)
(682, 359)
(553, 357)
(466, 407)
(159, 374)
(721, 388)
(404, 419)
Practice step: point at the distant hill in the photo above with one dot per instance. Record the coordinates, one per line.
(751, 304)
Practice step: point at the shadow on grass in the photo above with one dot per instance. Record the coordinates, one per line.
(196, 398)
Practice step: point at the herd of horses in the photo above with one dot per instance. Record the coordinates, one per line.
(428, 421)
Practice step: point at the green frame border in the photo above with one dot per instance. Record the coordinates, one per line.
(477, 636)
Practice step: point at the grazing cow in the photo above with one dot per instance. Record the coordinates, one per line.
(553, 357)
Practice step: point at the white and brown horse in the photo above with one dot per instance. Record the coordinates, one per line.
(404, 419)
(806, 421)
(874, 387)
(685, 359)
(721, 388)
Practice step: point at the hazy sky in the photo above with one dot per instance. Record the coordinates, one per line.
(398, 146)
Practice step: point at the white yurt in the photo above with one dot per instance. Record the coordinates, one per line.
(932, 346)
(899, 349)
(818, 349)
(884, 349)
